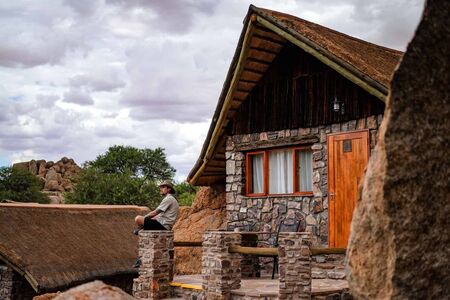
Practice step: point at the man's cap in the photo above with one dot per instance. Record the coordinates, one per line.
(167, 183)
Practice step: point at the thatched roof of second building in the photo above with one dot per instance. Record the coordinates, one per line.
(56, 246)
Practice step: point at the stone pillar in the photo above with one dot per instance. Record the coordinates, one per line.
(221, 270)
(6, 283)
(294, 262)
(155, 271)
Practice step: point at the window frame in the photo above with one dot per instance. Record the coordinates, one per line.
(266, 177)
(249, 173)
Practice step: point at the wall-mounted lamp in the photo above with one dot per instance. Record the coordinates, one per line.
(338, 106)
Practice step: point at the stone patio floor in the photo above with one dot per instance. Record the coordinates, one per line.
(265, 286)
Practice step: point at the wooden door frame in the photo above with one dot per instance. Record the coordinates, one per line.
(330, 169)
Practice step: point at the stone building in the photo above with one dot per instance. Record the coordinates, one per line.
(294, 126)
(49, 248)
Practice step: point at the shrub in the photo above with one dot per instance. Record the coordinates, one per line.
(20, 185)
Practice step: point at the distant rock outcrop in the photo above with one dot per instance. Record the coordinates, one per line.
(56, 177)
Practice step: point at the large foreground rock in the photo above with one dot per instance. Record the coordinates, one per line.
(399, 245)
(95, 290)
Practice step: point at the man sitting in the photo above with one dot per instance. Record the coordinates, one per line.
(165, 215)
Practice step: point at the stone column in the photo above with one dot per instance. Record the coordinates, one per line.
(6, 282)
(221, 270)
(155, 271)
(294, 262)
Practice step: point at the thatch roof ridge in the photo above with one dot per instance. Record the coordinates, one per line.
(266, 10)
(70, 206)
(56, 246)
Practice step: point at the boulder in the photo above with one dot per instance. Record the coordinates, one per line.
(42, 170)
(67, 184)
(95, 290)
(56, 167)
(49, 164)
(51, 175)
(21, 165)
(192, 223)
(53, 185)
(399, 242)
(33, 167)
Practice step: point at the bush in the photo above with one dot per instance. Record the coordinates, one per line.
(20, 185)
(185, 193)
(94, 186)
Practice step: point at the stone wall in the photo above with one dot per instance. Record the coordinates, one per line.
(14, 286)
(156, 270)
(6, 283)
(294, 261)
(221, 271)
(265, 213)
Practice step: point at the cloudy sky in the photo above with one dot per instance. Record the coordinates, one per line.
(77, 76)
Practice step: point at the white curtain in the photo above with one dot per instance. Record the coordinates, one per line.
(304, 174)
(280, 172)
(258, 173)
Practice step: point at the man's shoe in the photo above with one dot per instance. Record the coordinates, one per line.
(136, 230)
(137, 263)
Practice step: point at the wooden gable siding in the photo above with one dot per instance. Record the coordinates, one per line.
(297, 91)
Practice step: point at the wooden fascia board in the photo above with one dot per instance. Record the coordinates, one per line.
(31, 280)
(227, 102)
(318, 52)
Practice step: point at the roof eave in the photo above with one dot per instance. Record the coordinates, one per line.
(201, 161)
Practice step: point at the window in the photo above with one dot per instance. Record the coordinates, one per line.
(279, 171)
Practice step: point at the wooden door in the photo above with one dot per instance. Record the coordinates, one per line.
(348, 154)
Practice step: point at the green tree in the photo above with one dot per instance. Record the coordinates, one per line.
(185, 193)
(147, 163)
(123, 175)
(20, 185)
(94, 186)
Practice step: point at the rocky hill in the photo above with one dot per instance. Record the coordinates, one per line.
(56, 176)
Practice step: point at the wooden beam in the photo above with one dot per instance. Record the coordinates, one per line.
(248, 81)
(264, 50)
(265, 251)
(258, 251)
(270, 39)
(289, 141)
(258, 61)
(187, 243)
(247, 69)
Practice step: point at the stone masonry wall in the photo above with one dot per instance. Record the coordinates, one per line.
(221, 270)
(295, 265)
(265, 213)
(156, 267)
(6, 283)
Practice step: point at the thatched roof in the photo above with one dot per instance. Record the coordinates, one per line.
(55, 246)
(264, 34)
(374, 61)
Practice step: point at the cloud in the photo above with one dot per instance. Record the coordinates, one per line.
(175, 16)
(78, 96)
